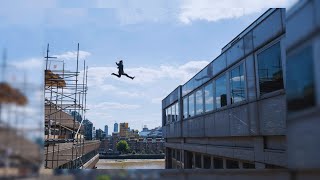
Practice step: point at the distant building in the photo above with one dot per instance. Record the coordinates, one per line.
(99, 134)
(145, 131)
(87, 129)
(156, 132)
(76, 115)
(106, 129)
(93, 133)
(124, 127)
(115, 128)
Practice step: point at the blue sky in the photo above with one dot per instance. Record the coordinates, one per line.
(162, 43)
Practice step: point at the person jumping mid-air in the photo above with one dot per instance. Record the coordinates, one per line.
(121, 72)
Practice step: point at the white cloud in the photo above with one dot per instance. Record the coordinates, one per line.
(130, 94)
(32, 63)
(72, 55)
(98, 75)
(113, 105)
(209, 10)
(157, 100)
(66, 17)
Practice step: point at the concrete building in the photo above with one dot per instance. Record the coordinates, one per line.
(115, 127)
(124, 127)
(232, 114)
(303, 85)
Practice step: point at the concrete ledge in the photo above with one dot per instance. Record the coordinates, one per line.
(91, 163)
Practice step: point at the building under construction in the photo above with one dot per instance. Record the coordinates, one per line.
(20, 156)
(65, 101)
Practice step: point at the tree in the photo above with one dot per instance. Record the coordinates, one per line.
(122, 146)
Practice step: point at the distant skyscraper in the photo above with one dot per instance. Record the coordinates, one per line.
(124, 127)
(106, 129)
(115, 128)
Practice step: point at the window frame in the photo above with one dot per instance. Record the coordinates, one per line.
(243, 63)
(279, 40)
(296, 51)
(211, 82)
(226, 74)
(194, 104)
(202, 99)
(186, 97)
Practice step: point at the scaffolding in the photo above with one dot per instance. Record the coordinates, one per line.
(65, 93)
(20, 156)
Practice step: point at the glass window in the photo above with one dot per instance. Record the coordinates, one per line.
(178, 155)
(199, 102)
(218, 163)
(206, 162)
(174, 113)
(177, 111)
(191, 105)
(167, 116)
(208, 97)
(248, 165)
(198, 160)
(300, 80)
(237, 91)
(270, 69)
(185, 107)
(231, 164)
(221, 92)
(219, 64)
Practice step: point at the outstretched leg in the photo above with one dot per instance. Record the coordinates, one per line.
(128, 76)
(118, 75)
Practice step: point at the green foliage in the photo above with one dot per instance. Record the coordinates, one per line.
(123, 146)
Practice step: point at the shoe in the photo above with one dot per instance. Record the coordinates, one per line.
(132, 78)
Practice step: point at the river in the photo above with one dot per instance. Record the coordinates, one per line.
(130, 164)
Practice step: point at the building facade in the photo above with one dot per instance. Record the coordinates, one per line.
(124, 128)
(232, 114)
(303, 85)
(88, 125)
(115, 127)
(106, 130)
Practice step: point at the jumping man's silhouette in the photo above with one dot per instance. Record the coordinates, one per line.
(121, 72)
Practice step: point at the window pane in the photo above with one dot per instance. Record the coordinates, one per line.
(248, 165)
(177, 111)
(206, 162)
(199, 102)
(237, 91)
(173, 107)
(185, 107)
(270, 69)
(219, 64)
(231, 164)
(178, 155)
(167, 116)
(221, 92)
(198, 160)
(218, 163)
(300, 84)
(208, 97)
(170, 115)
(191, 105)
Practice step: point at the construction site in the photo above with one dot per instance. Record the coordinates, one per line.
(20, 155)
(65, 93)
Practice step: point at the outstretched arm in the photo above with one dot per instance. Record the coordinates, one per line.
(117, 64)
